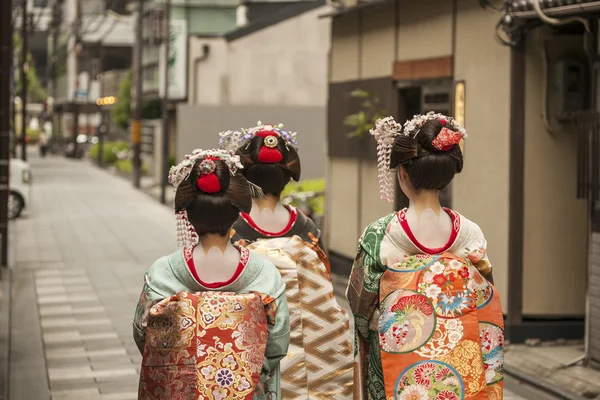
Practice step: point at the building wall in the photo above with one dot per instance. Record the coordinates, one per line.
(555, 220)
(263, 68)
(208, 77)
(480, 192)
(425, 29)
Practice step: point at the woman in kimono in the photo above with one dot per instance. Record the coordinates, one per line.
(212, 321)
(319, 364)
(428, 318)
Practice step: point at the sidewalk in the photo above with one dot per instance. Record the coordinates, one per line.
(81, 251)
(548, 365)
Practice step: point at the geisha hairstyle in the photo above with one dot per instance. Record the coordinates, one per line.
(427, 166)
(427, 146)
(269, 161)
(211, 196)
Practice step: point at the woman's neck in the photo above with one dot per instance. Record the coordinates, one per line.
(422, 200)
(215, 240)
(270, 201)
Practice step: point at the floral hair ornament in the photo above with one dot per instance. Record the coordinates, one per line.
(446, 139)
(413, 126)
(207, 182)
(385, 131)
(232, 140)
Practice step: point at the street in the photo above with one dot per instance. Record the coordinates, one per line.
(81, 251)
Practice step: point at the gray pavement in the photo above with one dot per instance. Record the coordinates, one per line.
(82, 248)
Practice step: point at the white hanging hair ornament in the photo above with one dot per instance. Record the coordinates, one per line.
(186, 234)
(233, 140)
(385, 131)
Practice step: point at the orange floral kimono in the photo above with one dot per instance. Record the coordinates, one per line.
(429, 325)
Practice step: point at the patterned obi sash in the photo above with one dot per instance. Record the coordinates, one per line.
(319, 363)
(441, 331)
(207, 345)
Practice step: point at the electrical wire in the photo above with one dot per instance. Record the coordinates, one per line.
(556, 21)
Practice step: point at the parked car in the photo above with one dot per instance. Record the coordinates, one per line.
(20, 187)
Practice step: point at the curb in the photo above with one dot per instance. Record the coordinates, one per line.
(544, 385)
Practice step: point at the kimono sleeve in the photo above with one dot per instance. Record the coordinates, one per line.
(148, 298)
(278, 318)
(476, 251)
(363, 289)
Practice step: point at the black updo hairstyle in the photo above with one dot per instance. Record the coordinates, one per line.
(427, 167)
(270, 177)
(213, 212)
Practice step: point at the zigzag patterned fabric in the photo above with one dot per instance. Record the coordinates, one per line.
(319, 364)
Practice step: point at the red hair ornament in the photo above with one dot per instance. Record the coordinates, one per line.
(446, 140)
(208, 182)
(269, 154)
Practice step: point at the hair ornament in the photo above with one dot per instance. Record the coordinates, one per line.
(384, 132)
(446, 139)
(413, 126)
(208, 181)
(232, 140)
(181, 171)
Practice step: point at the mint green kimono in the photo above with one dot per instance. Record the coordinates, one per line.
(170, 275)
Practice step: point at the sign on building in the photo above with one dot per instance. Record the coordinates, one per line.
(177, 61)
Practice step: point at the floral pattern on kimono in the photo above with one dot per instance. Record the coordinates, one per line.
(170, 275)
(387, 264)
(204, 345)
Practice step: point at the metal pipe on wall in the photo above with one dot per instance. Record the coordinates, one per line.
(165, 105)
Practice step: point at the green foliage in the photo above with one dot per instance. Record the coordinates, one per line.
(35, 91)
(126, 166)
(363, 120)
(110, 151)
(310, 185)
(172, 160)
(121, 112)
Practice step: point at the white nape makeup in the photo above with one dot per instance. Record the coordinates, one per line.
(432, 228)
(270, 220)
(215, 265)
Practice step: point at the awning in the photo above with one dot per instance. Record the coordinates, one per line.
(360, 6)
(553, 8)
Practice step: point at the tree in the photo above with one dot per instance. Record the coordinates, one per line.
(363, 120)
(35, 91)
(121, 112)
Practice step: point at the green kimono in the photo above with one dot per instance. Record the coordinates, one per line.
(170, 275)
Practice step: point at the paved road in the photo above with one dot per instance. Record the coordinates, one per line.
(82, 249)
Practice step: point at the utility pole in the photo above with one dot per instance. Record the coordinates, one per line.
(137, 113)
(103, 124)
(24, 67)
(6, 59)
(165, 133)
(75, 97)
(56, 24)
